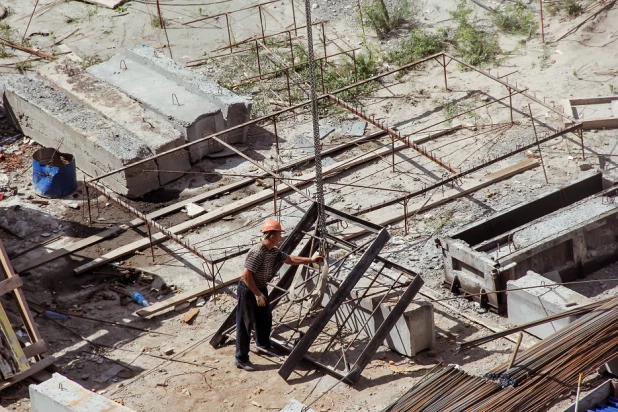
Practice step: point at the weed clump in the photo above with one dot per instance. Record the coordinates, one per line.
(571, 8)
(474, 45)
(418, 45)
(516, 19)
(381, 20)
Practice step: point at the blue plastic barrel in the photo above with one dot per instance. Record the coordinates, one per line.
(53, 173)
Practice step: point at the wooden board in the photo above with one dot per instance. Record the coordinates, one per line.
(12, 358)
(39, 366)
(91, 240)
(231, 208)
(18, 294)
(459, 192)
(592, 122)
(182, 297)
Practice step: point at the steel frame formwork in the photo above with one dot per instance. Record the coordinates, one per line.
(344, 368)
(443, 59)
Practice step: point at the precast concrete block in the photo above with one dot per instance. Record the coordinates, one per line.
(192, 114)
(535, 303)
(235, 109)
(60, 394)
(413, 332)
(99, 145)
(158, 135)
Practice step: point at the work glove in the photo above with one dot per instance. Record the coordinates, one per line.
(261, 300)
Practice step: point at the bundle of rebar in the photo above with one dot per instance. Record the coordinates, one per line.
(540, 376)
(449, 389)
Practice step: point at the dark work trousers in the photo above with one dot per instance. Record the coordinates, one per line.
(251, 316)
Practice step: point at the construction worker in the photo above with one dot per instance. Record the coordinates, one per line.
(253, 308)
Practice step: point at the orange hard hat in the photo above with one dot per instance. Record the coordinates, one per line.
(272, 226)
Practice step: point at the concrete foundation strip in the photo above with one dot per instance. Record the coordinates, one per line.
(91, 240)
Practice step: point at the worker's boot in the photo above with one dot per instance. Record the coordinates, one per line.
(248, 366)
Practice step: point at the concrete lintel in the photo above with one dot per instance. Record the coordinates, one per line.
(60, 394)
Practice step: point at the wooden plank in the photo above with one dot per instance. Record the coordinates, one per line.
(91, 240)
(433, 136)
(13, 359)
(192, 313)
(36, 348)
(182, 297)
(592, 100)
(487, 181)
(600, 123)
(18, 294)
(39, 366)
(230, 208)
(10, 284)
(568, 110)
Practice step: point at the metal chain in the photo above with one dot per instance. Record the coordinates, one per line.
(316, 130)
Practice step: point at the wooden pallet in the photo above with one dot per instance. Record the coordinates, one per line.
(11, 283)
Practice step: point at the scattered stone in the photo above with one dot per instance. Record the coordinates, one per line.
(45, 234)
(585, 166)
(182, 306)
(74, 205)
(194, 210)
(85, 377)
(125, 374)
(168, 351)
(200, 302)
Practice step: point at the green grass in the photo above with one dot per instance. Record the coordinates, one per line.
(71, 19)
(384, 21)
(418, 45)
(516, 19)
(473, 44)
(156, 23)
(570, 8)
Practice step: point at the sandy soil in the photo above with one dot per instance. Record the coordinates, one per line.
(194, 376)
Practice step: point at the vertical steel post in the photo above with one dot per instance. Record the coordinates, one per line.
(291, 48)
(150, 240)
(257, 52)
(294, 18)
(322, 75)
(287, 79)
(324, 42)
(511, 103)
(355, 70)
(393, 152)
(542, 24)
(261, 22)
(88, 197)
(275, 196)
(444, 67)
(538, 145)
(276, 136)
(405, 216)
(229, 31)
(581, 136)
(360, 14)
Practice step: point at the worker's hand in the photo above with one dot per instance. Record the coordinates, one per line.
(261, 300)
(317, 259)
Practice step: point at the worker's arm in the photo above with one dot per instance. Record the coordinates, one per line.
(299, 260)
(247, 277)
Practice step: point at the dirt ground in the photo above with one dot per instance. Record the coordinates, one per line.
(169, 364)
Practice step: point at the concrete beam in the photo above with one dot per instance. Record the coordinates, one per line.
(60, 394)
(158, 135)
(99, 145)
(532, 304)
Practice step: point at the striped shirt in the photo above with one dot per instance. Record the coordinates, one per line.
(260, 262)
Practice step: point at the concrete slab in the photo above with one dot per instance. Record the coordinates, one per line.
(235, 109)
(60, 394)
(191, 114)
(99, 145)
(355, 128)
(532, 304)
(158, 135)
(413, 332)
